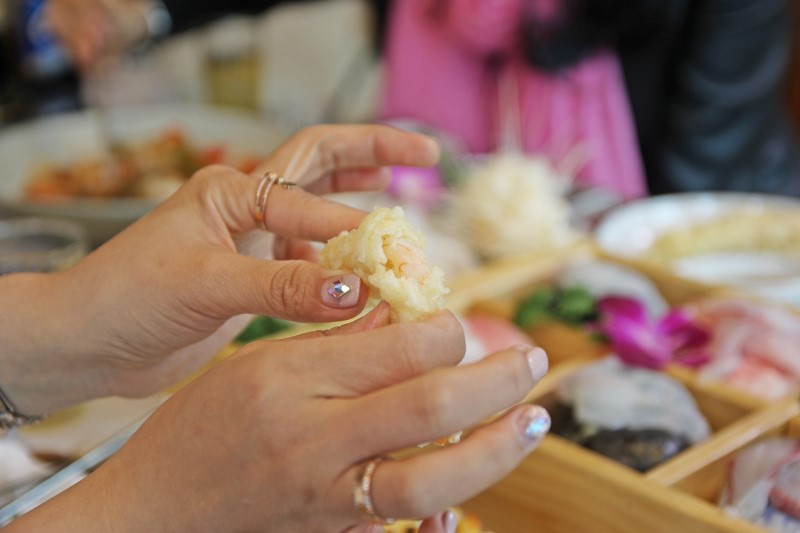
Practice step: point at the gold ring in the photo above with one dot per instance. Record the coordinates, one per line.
(362, 494)
(262, 194)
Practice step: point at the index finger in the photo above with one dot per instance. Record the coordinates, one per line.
(327, 159)
(298, 214)
(377, 359)
(292, 213)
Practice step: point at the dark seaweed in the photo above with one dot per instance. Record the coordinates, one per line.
(640, 449)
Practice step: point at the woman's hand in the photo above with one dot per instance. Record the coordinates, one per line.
(274, 438)
(156, 302)
(95, 29)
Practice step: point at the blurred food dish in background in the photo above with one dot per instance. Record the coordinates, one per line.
(151, 168)
(65, 139)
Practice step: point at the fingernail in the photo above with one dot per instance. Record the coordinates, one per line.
(537, 361)
(449, 521)
(378, 316)
(534, 424)
(341, 291)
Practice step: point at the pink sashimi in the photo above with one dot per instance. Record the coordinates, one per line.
(761, 380)
(495, 333)
(755, 346)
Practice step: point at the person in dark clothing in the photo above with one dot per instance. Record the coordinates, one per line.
(189, 14)
(705, 80)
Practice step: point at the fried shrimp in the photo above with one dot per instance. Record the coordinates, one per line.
(387, 253)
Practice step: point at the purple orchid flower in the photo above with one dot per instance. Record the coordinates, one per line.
(639, 342)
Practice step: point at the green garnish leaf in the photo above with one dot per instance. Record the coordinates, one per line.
(571, 305)
(260, 327)
(535, 308)
(575, 305)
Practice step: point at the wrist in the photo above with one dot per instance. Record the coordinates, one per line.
(11, 417)
(94, 504)
(45, 365)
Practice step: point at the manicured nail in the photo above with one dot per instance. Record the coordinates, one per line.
(449, 521)
(341, 291)
(537, 361)
(534, 424)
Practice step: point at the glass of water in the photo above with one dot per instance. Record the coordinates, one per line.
(40, 245)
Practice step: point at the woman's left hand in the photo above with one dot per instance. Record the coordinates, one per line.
(157, 301)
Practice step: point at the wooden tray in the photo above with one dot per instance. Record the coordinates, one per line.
(564, 488)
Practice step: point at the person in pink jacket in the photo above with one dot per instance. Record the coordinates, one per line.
(459, 67)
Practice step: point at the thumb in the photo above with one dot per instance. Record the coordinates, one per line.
(293, 290)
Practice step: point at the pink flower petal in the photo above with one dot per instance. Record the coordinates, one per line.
(679, 326)
(637, 342)
(630, 308)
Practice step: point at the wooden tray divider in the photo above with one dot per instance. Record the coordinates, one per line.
(702, 470)
(563, 488)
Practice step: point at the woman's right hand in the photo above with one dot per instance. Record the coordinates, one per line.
(274, 438)
(155, 303)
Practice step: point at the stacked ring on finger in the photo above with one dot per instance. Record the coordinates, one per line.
(262, 194)
(362, 494)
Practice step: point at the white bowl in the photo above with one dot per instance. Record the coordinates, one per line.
(631, 230)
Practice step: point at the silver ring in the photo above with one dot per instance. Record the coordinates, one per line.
(362, 494)
(262, 194)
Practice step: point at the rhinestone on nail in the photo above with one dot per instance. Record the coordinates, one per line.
(338, 289)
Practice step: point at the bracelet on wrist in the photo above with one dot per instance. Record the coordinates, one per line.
(10, 417)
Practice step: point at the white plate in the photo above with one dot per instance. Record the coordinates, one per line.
(76, 431)
(630, 231)
(64, 138)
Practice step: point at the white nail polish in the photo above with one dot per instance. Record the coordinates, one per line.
(450, 522)
(537, 361)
